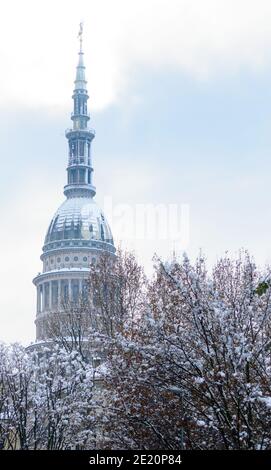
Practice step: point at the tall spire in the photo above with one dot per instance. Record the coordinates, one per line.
(80, 80)
(80, 35)
(80, 136)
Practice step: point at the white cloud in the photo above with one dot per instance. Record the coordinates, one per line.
(202, 37)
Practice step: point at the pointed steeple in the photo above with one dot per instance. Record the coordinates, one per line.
(80, 136)
(80, 79)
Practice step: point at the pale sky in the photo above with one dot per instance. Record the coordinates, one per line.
(181, 103)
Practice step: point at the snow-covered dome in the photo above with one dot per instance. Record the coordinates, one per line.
(78, 221)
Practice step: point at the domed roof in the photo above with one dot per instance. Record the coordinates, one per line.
(79, 218)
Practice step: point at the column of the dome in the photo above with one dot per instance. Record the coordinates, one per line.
(70, 290)
(38, 300)
(58, 293)
(42, 298)
(50, 295)
(80, 287)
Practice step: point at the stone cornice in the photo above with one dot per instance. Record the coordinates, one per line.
(61, 274)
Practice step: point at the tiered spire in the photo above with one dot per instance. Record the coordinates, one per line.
(80, 136)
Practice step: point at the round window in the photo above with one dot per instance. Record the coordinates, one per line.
(75, 258)
(67, 258)
(85, 258)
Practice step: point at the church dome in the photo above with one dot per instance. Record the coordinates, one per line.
(78, 220)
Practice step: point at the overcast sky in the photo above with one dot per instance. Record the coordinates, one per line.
(181, 103)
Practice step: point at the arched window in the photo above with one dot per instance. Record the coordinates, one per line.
(81, 148)
(81, 176)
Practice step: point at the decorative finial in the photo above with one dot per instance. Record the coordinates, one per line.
(80, 35)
